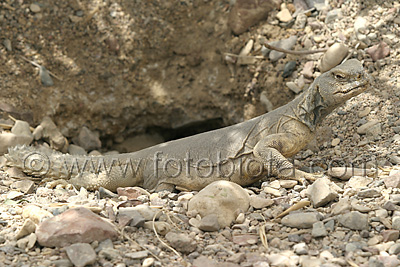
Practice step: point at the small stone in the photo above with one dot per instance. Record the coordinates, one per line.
(333, 56)
(51, 132)
(319, 230)
(395, 249)
(272, 191)
(38, 132)
(378, 51)
(36, 214)
(345, 173)
(396, 222)
(301, 220)
(7, 44)
(27, 228)
(8, 140)
(21, 128)
(25, 186)
(148, 262)
(288, 183)
(81, 254)
(78, 225)
(354, 220)
(363, 129)
(245, 239)
(333, 15)
(364, 112)
(181, 242)
(369, 193)
(358, 182)
(390, 235)
(76, 150)
(209, 223)
(288, 69)
(293, 87)
(284, 15)
(137, 255)
(87, 139)
(260, 202)
(308, 70)
(240, 218)
(301, 249)
(321, 192)
(105, 193)
(34, 8)
(237, 258)
(146, 211)
(246, 13)
(335, 142)
(162, 228)
(222, 198)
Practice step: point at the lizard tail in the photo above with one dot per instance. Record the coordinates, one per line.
(38, 162)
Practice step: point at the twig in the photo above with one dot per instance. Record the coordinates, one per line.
(39, 66)
(122, 233)
(293, 52)
(159, 239)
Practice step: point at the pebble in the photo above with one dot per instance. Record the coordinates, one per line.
(181, 242)
(87, 139)
(390, 235)
(354, 220)
(319, 230)
(321, 192)
(25, 186)
(246, 13)
(222, 198)
(8, 140)
(81, 254)
(333, 15)
(284, 15)
(293, 87)
(148, 262)
(333, 56)
(209, 223)
(301, 220)
(7, 44)
(364, 112)
(260, 202)
(51, 132)
(76, 150)
(335, 142)
(35, 8)
(289, 68)
(358, 182)
(78, 225)
(27, 228)
(308, 69)
(301, 249)
(378, 51)
(137, 255)
(162, 228)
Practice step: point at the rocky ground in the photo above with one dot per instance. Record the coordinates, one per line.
(350, 219)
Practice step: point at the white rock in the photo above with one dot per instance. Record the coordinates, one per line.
(321, 192)
(222, 198)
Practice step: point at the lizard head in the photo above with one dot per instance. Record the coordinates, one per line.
(331, 90)
(342, 83)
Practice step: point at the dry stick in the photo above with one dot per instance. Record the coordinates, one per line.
(293, 52)
(159, 239)
(122, 233)
(39, 66)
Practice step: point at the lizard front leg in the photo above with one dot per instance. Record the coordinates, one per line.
(272, 150)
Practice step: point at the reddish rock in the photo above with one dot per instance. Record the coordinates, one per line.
(393, 181)
(130, 192)
(390, 235)
(378, 51)
(246, 13)
(245, 239)
(78, 225)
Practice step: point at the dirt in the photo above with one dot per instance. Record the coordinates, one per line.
(130, 67)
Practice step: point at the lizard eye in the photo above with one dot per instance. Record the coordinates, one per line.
(338, 75)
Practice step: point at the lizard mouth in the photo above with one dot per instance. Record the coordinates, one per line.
(352, 87)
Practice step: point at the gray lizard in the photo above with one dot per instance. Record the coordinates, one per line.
(242, 153)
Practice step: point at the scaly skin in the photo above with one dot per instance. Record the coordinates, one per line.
(242, 153)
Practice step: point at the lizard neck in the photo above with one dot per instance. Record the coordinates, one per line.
(312, 108)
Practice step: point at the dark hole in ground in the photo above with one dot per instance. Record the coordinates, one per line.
(155, 135)
(188, 129)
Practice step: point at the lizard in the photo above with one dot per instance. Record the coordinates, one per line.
(242, 153)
